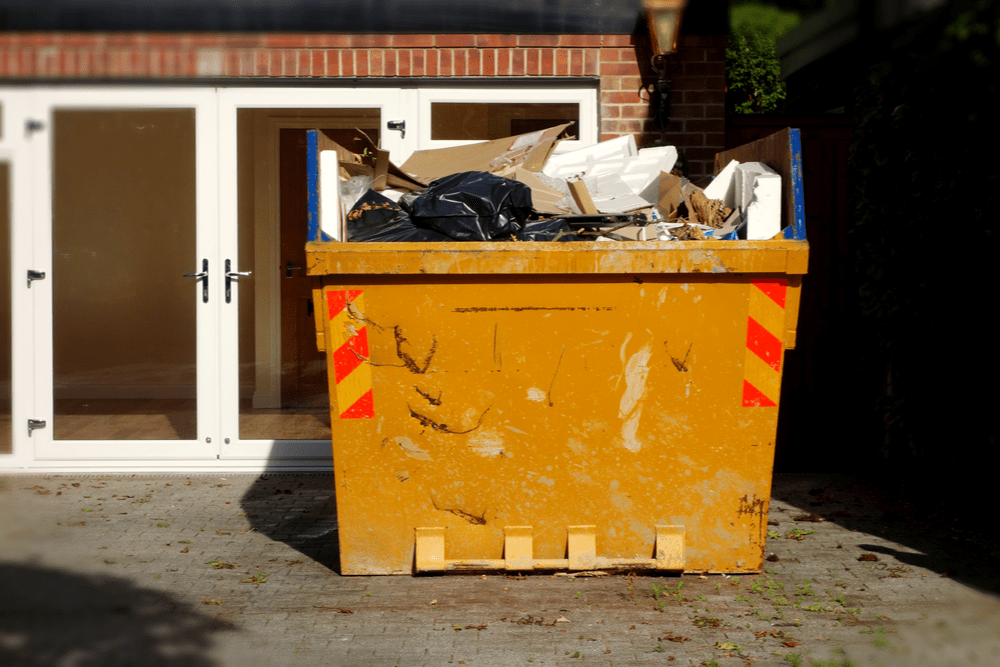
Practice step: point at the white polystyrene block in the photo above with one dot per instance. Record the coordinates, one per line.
(329, 195)
(667, 155)
(745, 174)
(580, 161)
(763, 213)
(724, 185)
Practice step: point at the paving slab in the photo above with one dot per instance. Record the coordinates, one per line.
(241, 570)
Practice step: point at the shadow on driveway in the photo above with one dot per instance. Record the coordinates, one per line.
(51, 617)
(299, 510)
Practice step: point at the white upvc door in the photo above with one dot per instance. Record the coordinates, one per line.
(16, 356)
(125, 204)
(253, 374)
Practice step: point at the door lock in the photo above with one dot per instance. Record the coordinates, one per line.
(203, 277)
(289, 267)
(230, 277)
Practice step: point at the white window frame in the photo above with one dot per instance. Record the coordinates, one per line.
(586, 98)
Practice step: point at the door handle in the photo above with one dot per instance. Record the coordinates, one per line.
(203, 277)
(399, 126)
(289, 268)
(230, 277)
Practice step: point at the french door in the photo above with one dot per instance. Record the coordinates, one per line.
(159, 312)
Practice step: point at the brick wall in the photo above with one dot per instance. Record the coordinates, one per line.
(621, 62)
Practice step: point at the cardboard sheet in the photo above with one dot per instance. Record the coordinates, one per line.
(529, 150)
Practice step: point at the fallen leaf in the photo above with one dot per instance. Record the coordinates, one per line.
(868, 558)
(760, 633)
(562, 619)
(812, 517)
(339, 610)
(773, 558)
(789, 644)
(184, 550)
(475, 627)
(727, 646)
(433, 602)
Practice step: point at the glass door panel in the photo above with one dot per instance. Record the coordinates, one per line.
(123, 235)
(283, 381)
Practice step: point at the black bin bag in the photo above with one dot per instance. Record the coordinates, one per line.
(375, 217)
(473, 206)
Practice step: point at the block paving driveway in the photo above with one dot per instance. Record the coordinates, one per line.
(241, 570)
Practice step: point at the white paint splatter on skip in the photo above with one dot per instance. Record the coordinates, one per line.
(486, 443)
(536, 394)
(630, 408)
(411, 449)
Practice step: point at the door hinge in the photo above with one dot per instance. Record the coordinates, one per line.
(34, 424)
(35, 275)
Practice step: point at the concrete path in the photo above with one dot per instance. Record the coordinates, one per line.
(240, 570)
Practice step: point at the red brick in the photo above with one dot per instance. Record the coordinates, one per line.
(635, 110)
(376, 63)
(591, 63)
(617, 55)
(370, 41)
(68, 63)
(454, 41)
(517, 62)
(620, 97)
(361, 63)
(404, 63)
(538, 40)
(303, 62)
(717, 139)
(562, 62)
(489, 62)
(391, 63)
(329, 41)
(579, 40)
(445, 66)
(610, 111)
(503, 62)
(459, 61)
(412, 41)
(547, 62)
(532, 60)
(617, 40)
(700, 153)
(431, 62)
(417, 63)
(622, 126)
(279, 41)
(474, 60)
(687, 110)
(495, 41)
(331, 63)
(289, 62)
(318, 67)
(703, 96)
(628, 69)
(347, 62)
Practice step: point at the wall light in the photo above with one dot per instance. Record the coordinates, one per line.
(664, 19)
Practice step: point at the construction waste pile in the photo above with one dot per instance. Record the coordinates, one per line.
(522, 189)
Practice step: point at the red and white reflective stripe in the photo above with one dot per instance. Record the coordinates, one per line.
(349, 341)
(765, 346)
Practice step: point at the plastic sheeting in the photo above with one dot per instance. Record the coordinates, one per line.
(472, 206)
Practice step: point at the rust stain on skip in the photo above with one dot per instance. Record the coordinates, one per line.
(408, 361)
(427, 422)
